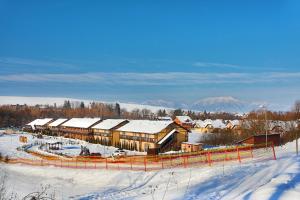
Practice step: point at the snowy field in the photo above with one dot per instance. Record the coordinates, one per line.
(70, 147)
(270, 179)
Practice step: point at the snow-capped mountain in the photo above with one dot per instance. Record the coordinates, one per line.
(160, 103)
(223, 104)
(211, 104)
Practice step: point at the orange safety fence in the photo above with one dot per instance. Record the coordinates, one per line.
(149, 163)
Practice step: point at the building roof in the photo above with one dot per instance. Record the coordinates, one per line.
(184, 118)
(57, 122)
(200, 123)
(109, 124)
(145, 126)
(40, 122)
(81, 122)
(33, 122)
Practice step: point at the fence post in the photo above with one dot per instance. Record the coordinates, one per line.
(238, 154)
(131, 163)
(274, 155)
(60, 163)
(184, 162)
(226, 156)
(162, 162)
(145, 163)
(209, 159)
(251, 151)
(206, 156)
(105, 163)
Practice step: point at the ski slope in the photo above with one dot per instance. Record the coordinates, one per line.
(269, 179)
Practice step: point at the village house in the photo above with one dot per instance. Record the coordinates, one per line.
(208, 125)
(79, 128)
(54, 126)
(104, 132)
(235, 126)
(184, 121)
(191, 146)
(143, 135)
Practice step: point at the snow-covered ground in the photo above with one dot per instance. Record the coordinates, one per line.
(270, 179)
(70, 147)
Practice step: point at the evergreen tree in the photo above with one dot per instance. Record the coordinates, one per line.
(82, 105)
(118, 110)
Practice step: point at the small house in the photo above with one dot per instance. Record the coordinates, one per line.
(191, 147)
(261, 139)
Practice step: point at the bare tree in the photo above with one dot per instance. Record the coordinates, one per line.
(296, 109)
(43, 194)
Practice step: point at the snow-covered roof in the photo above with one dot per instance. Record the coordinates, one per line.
(145, 126)
(184, 118)
(207, 122)
(109, 124)
(234, 122)
(200, 123)
(218, 123)
(33, 122)
(57, 122)
(39, 122)
(167, 136)
(81, 122)
(285, 125)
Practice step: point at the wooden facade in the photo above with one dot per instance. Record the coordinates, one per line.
(261, 139)
(70, 129)
(191, 147)
(108, 136)
(141, 141)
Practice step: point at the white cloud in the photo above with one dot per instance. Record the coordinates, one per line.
(219, 65)
(32, 62)
(168, 78)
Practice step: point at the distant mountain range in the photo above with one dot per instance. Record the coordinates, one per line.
(220, 104)
(212, 104)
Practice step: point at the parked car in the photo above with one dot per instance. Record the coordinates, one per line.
(119, 152)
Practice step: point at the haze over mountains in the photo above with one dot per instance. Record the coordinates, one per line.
(211, 104)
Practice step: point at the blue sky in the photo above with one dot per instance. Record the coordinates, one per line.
(134, 51)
